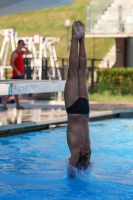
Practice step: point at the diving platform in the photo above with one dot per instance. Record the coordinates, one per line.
(12, 87)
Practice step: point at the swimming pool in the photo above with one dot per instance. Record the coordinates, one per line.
(33, 166)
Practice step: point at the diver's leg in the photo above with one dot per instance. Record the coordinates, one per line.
(83, 91)
(71, 87)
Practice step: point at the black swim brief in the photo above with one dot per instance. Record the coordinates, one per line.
(81, 106)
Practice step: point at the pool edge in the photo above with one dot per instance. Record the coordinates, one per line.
(13, 129)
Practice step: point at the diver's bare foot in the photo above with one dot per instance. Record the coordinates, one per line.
(75, 32)
(19, 107)
(81, 28)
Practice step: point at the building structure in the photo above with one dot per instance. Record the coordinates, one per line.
(113, 19)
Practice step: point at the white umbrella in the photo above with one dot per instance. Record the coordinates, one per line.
(16, 6)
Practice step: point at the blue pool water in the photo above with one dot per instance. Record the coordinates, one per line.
(33, 166)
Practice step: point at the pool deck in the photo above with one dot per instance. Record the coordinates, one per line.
(39, 115)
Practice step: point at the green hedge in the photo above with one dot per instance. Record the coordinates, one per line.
(116, 80)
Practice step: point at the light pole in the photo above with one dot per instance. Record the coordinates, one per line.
(67, 24)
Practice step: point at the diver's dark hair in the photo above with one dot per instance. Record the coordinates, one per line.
(20, 41)
(82, 163)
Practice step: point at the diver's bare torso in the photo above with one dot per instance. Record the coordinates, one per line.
(77, 133)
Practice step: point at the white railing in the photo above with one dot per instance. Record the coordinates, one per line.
(116, 18)
(95, 9)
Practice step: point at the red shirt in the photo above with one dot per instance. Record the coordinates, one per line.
(19, 64)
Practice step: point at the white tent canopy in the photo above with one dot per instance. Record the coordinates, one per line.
(16, 6)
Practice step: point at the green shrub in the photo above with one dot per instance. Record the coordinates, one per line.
(116, 80)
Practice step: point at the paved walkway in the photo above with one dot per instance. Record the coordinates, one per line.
(36, 111)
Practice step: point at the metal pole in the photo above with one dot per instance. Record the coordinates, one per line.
(67, 37)
(88, 18)
(92, 73)
(94, 46)
(103, 6)
(62, 62)
(120, 19)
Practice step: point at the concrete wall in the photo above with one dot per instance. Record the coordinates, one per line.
(124, 52)
(129, 52)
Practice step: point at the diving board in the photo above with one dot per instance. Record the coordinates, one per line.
(11, 87)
